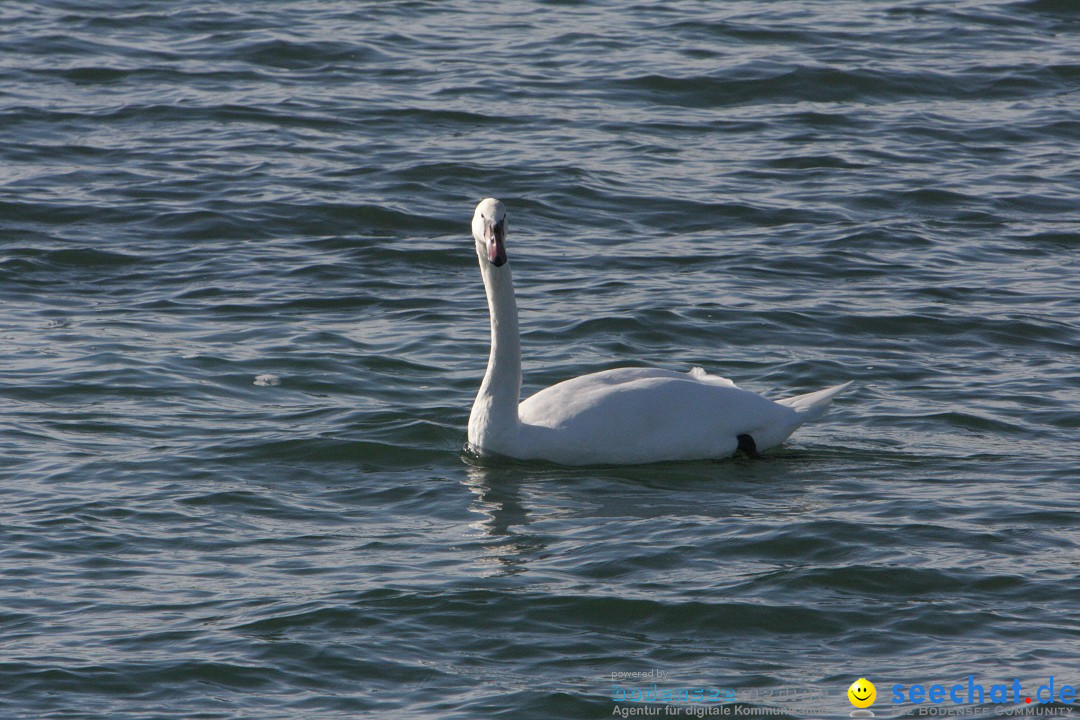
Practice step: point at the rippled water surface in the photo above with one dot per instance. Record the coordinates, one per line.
(241, 326)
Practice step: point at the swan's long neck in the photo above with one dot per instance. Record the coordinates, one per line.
(494, 417)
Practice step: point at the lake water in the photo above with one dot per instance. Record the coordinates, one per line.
(242, 324)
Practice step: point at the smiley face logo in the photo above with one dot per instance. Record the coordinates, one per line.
(862, 693)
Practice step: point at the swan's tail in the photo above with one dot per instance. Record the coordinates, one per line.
(813, 405)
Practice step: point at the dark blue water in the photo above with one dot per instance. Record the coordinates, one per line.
(241, 326)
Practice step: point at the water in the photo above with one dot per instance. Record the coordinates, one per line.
(242, 325)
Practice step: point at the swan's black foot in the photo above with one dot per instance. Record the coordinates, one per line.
(747, 446)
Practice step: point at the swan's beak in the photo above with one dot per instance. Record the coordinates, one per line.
(494, 234)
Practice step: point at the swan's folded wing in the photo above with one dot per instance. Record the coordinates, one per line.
(702, 376)
(660, 415)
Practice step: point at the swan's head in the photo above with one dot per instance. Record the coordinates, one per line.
(489, 231)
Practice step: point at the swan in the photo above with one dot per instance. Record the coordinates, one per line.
(625, 416)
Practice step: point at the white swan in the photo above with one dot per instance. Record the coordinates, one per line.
(618, 417)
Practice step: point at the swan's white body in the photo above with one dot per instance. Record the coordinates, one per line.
(620, 417)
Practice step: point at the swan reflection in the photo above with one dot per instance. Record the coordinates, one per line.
(507, 548)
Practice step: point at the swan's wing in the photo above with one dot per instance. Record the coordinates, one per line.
(643, 415)
(631, 374)
(701, 376)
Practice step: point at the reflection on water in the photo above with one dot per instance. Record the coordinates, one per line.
(498, 499)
